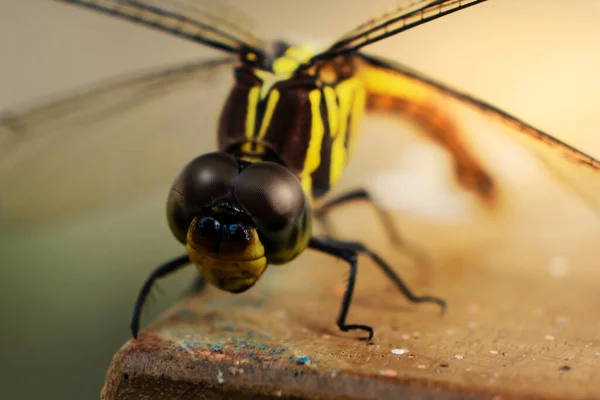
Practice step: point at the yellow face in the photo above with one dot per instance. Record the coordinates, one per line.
(228, 255)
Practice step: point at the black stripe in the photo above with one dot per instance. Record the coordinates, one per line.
(348, 125)
(261, 106)
(288, 132)
(322, 174)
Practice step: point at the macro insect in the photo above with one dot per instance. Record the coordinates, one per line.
(285, 134)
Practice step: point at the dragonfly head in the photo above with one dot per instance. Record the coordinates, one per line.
(235, 217)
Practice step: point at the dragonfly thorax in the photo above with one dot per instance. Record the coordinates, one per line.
(296, 112)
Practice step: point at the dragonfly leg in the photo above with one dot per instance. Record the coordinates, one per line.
(331, 247)
(389, 272)
(348, 251)
(321, 214)
(162, 271)
(323, 211)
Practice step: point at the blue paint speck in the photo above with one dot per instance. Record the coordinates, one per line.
(303, 360)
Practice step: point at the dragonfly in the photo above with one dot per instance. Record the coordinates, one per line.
(286, 131)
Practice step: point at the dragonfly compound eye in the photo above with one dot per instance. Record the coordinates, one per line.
(204, 180)
(273, 197)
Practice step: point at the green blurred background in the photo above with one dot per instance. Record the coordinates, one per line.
(68, 285)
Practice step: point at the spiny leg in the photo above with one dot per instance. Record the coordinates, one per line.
(385, 267)
(348, 252)
(418, 254)
(329, 246)
(162, 271)
(357, 194)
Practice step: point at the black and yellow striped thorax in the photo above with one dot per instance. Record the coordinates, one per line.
(305, 117)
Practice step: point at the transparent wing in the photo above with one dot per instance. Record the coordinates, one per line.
(209, 23)
(399, 19)
(110, 141)
(575, 169)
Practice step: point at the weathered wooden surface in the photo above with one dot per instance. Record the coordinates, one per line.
(516, 327)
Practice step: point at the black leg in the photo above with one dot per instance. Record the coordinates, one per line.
(361, 248)
(348, 252)
(321, 214)
(330, 246)
(358, 194)
(161, 271)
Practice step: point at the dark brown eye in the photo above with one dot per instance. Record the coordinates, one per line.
(270, 193)
(207, 178)
(204, 180)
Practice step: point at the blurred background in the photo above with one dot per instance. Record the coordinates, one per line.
(69, 283)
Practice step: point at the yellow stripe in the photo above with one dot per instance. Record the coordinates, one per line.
(313, 152)
(251, 111)
(247, 147)
(306, 183)
(358, 110)
(385, 82)
(333, 111)
(345, 92)
(271, 104)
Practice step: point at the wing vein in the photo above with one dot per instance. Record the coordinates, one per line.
(392, 23)
(173, 17)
